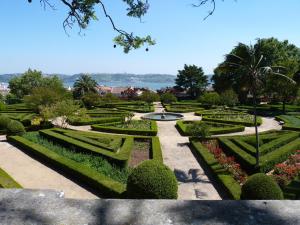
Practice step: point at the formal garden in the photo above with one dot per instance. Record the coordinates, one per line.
(227, 143)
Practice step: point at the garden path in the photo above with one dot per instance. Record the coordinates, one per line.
(193, 182)
(268, 123)
(32, 174)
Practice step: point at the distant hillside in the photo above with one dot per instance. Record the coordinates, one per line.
(103, 77)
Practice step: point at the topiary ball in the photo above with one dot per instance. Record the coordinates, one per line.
(15, 128)
(261, 187)
(152, 180)
(4, 121)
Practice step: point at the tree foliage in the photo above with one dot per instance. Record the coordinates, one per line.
(168, 98)
(210, 98)
(229, 98)
(268, 52)
(149, 97)
(83, 85)
(82, 12)
(23, 85)
(192, 79)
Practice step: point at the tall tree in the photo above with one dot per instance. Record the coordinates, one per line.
(24, 85)
(83, 85)
(275, 52)
(192, 79)
(254, 67)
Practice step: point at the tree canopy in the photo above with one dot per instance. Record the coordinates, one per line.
(23, 85)
(192, 79)
(83, 85)
(280, 54)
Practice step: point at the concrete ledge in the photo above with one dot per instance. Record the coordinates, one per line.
(48, 207)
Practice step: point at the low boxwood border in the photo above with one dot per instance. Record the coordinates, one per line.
(105, 185)
(90, 121)
(111, 129)
(214, 131)
(287, 125)
(247, 124)
(7, 181)
(231, 187)
(120, 158)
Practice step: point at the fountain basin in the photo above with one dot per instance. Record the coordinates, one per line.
(162, 116)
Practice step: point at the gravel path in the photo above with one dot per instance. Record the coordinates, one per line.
(193, 183)
(34, 175)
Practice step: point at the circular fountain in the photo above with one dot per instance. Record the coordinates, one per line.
(163, 116)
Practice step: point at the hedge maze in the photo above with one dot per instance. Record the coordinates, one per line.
(101, 161)
(275, 147)
(215, 128)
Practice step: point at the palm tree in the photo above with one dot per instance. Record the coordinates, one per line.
(250, 63)
(84, 84)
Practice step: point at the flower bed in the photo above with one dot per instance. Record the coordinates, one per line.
(215, 128)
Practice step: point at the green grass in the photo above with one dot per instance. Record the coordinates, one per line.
(95, 162)
(291, 122)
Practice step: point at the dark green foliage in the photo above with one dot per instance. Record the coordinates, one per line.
(168, 98)
(215, 128)
(210, 99)
(261, 187)
(152, 180)
(88, 121)
(229, 98)
(106, 186)
(224, 179)
(4, 121)
(83, 85)
(192, 78)
(111, 128)
(15, 128)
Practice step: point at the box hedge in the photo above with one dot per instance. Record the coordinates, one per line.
(105, 185)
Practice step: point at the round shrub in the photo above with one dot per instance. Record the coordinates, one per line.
(260, 187)
(4, 121)
(15, 128)
(152, 180)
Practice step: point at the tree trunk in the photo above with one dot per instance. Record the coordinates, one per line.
(283, 105)
(256, 130)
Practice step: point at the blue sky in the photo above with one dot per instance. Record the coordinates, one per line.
(32, 37)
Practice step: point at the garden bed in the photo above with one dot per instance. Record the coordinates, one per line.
(238, 118)
(135, 127)
(215, 128)
(7, 181)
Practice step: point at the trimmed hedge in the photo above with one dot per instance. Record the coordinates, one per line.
(7, 181)
(261, 187)
(152, 180)
(244, 123)
(276, 151)
(90, 121)
(119, 158)
(182, 128)
(156, 152)
(290, 122)
(111, 129)
(15, 127)
(223, 178)
(107, 186)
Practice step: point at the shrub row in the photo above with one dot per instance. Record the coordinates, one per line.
(279, 152)
(107, 128)
(139, 109)
(7, 181)
(289, 122)
(268, 161)
(246, 160)
(268, 147)
(156, 152)
(89, 121)
(244, 123)
(224, 179)
(120, 158)
(170, 108)
(109, 187)
(182, 128)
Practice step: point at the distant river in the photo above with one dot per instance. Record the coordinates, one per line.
(150, 85)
